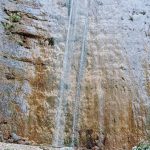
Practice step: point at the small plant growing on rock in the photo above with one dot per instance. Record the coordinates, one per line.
(8, 26)
(20, 42)
(142, 146)
(69, 142)
(15, 17)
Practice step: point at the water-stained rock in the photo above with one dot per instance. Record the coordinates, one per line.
(115, 90)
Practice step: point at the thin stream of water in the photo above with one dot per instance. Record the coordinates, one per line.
(65, 81)
(79, 79)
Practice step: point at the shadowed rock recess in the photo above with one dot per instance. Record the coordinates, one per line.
(75, 73)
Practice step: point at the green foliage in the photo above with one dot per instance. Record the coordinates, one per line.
(8, 26)
(15, 17)
(75, 142)
(142, 146)
(20, 42)
(68, 142)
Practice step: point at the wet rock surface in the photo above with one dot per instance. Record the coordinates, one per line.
(15, 139)
(116, 87)
(4, 146)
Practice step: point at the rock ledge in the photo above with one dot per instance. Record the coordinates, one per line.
(7, 146)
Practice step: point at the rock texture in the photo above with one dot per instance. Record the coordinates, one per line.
(116, 88)
(4, 146)
(17, 147)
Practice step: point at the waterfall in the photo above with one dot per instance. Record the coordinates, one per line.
(69, 6)
(64, 91)
(65, 82)
(79, 79)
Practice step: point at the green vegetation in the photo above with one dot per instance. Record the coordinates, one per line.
(142, 146)
(20, 42)
(15, 17)
(68, 142)
(8, 26)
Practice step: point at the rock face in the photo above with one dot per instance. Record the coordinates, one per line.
(115, 91)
